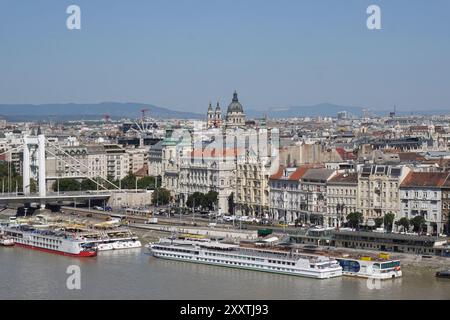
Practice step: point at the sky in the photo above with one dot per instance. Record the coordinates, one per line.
(182, 54)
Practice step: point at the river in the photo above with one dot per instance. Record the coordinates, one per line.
(134, 274)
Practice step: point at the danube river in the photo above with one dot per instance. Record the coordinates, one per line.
(28, 274)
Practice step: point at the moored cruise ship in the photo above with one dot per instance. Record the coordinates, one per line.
(113, 239)
(369, 267)
(235, 256)
(53, 241)
(364, 266)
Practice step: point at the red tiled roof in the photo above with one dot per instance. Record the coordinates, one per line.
(410, 156)
(142, 172)
(345, 155)
(425, 179)
(298, 174)
(278, 174)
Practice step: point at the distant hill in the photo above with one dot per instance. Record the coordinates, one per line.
(331, 110)
(88, 111)
(323, 109)
(132, 110)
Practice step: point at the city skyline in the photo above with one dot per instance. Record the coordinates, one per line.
(180, 56)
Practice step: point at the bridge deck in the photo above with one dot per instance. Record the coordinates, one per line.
(66, 196)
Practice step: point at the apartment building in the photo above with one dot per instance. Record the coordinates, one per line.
(208, 170)
(314, 193)
(285, 197)
(378, 190)
(421, 195)
(155, 159)
(138, 159)
(342, 198)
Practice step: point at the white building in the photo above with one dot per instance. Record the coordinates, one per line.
(378, 190)
(208, 170)
(421, 195)
(342, 197)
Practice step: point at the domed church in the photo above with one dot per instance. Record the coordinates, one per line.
(235, 113)
(214, 116)
(235, 116)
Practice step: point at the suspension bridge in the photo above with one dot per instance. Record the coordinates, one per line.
(34, 165)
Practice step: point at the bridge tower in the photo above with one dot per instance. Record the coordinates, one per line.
(34, 149)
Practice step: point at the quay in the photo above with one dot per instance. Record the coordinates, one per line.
(230, 234)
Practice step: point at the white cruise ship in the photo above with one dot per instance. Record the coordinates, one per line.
(364, 266)
(235, 256)
(369, 267)
(114, 240)
(52, 241)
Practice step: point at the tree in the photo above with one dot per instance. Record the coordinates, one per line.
(404, 223)
(231, 203)
(354, 219)
(389, 220)
(210, 200)
(88, 184)
(11, 181)
(147, 182)
(66, 184)
(161, 196)
(417, 222)
(129, 182)
(378, 222)
(196, 200)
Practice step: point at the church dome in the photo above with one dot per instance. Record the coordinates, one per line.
(217, 107)
(235, 105)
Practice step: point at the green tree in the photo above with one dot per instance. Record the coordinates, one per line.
(129, 181)
(354, 219)
(146, 183)
(389, 221)
(378, 222)
(210, 200)
(196, 200)
(404, 223)
(161, 196)
(11, 181)
(417, 222)
(88, 184)
(66, 184)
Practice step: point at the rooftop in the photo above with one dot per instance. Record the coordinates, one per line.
(345, 178)
(425, 179)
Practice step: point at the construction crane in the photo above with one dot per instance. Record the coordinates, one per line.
(143, 111)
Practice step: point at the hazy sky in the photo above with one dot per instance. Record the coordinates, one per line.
(182, 54)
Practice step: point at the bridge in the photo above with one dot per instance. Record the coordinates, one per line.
(33, 164)
(60, 197)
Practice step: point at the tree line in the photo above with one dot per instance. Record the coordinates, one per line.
(417, 223)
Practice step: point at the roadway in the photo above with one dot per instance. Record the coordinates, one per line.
(53, 197)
